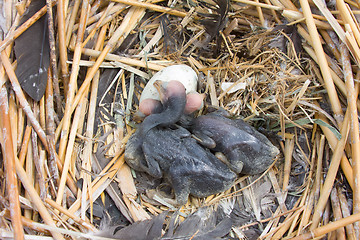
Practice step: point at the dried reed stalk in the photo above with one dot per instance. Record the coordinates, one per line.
(329, 84)
(8, 152)
(331, 174)
(69, 151)
(131, 19)
(70, 215)
(53, 62)
(354, 128)
(320, 231)
(125, 60)
(350, 232)
(62, 42)
(153, 7)
(50, 129)
(106, 174)
(86, 161)
(70, 24)
(345, 13)
(345, 165)
(72, 82)
(289, 148)
(93, 31)
(340, 232)
(25, 144)
(28, 223)
(306, 196)
(281, 197)
(261, 5)
(22, 99)
(36, 200)
(16, 33)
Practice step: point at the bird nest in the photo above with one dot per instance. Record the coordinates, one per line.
(70, 88)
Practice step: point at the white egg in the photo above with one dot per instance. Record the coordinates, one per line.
(182, 73)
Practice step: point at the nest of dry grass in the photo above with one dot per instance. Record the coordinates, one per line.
(288, 68)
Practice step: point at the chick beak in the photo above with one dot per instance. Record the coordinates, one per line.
(160, 87)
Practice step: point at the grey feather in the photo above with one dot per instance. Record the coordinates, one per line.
(32, 53)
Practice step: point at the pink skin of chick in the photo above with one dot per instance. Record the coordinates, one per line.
(194, 100)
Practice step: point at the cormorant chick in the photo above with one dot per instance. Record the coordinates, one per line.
(194, 101)
(173, 99)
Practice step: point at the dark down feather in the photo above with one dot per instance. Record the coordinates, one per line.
(32, 52)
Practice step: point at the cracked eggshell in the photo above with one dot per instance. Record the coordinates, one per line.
(182, 73)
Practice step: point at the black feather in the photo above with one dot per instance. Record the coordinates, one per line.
(214, 22)
(206, 223)
(33, 52)
(142, 230)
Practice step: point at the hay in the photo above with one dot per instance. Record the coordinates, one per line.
(292, 73)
